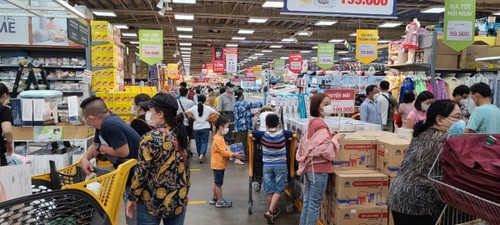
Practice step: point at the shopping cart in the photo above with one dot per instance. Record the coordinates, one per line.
(73, 204)
(462, 206)
(256, 169)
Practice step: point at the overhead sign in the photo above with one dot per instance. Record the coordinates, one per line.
(248, 81)
(342, 100)
(279, 66)
(257, 72)
(78, 32)
(366, 45)
(231, 60)
(218, 60)
(14, 30)
(326, 53)
(151, 46)
(347, 8)
(459, 23)
(173, 71)
(295, 62)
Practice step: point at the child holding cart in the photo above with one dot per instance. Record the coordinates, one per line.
(274, 158)
(219, 159)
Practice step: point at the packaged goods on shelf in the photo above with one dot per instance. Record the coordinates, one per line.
(37, 108)
(357, 215)
(390, 155)
(120, 102)
(103, 31)
(360, 187)
(40, 160)
(107, 55)
(356, 154)
(105, 80)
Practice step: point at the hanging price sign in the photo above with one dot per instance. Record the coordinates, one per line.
(366, 45)
(459, 23)
(342, 100)
(295, 62)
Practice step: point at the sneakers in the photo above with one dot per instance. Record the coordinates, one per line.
(201, 159)
(223, 204)
(238, 162)
(212, 201)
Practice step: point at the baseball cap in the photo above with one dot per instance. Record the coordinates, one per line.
(161, 100)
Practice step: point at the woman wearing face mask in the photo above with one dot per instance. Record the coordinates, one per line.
(412, 196)
(317, 149)
(7, 140)
(140, 124)
(424, 100)
(162, 171)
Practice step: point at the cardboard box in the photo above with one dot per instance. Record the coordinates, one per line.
(447, 61)
(360, 187)
(390, 155)
(355, 153)
(442, 49)
(360, 215)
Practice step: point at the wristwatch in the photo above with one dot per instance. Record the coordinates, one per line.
(97, 146)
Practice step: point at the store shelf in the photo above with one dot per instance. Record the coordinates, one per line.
(45, 67)
(441, 70)
(105, 67)
(49, 79)
(411, 67)
(491, 41)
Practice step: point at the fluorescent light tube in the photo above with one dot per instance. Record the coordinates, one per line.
(185, 36)
(273, 4)
(433, 9)
(121, 26)
(276, 46)
(238, 38)
(325, 23)
(185, 44)
(246, 31)
(184, 16)
(184, 29)
(390, 24)
(129, 34)
(257, 20)
(104, 13)
(336, 40)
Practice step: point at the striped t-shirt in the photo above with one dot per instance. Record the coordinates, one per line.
(273, 146)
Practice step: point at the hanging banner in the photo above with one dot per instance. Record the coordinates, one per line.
(249, 71)
(345, 8)
(326, 53)
(151, 46)
(257, 72)
(366, 46)
(14, 30)
(279, 67)
(459, 23)
(231, 60)
(342, 100)
(172, 71)
(295, 62)
(218, 60)
(247, 82)
(207, 71)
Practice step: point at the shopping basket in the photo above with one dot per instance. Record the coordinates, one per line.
(256, 169)
(73, 204)
(462, 206)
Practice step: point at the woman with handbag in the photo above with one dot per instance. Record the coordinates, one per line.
(201, 126)
(317, 149)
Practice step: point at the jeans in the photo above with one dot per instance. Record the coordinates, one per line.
(275, 179)
(315, 187)
(144, 218)
(201, 138)
(129, 221)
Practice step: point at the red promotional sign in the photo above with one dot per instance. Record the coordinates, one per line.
(295, 62)
(218, 60)
(249, 71)
(342, 100)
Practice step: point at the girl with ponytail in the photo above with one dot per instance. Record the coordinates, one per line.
(200, 113)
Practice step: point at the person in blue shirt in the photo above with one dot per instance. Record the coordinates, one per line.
(369, 111)
(243, 120)
(485, 119)
(274, 158)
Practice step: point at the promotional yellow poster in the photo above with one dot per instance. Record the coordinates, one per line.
(366, 45)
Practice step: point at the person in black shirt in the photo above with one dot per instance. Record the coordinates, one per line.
(140, 123)
(6, 143)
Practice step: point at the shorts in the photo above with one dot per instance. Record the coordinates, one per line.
(275, 179)
(218, 177)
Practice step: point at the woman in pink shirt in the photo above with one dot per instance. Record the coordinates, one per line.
(424, 100)
(316, 152)
(406, 106)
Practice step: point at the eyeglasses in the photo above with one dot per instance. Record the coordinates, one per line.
(454, 118)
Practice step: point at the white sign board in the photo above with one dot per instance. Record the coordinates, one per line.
(15, 182)
(347, 8)
(14, 30)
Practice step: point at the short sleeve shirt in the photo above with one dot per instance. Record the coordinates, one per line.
(116, 133)
(485, 120)
(201, 122)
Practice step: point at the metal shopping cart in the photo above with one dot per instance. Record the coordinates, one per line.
(74, 204)
(462, 206)
(256, 170)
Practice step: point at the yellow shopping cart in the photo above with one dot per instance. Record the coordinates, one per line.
(95, 201)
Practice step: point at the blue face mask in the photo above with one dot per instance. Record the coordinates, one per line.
(457, 127)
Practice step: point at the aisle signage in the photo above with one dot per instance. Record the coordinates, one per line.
(248, 81)
(295, 62)
(326, 53)
(78, 32)
(231, 60)
(346, 8)
(172, 71)
(151, 46)
(257, 72)
(218, 60)
(342, 100)
(279, 67)
(459, 23)
(366, 46)
(14, 30)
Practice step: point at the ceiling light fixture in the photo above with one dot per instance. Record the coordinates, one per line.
(185, 36)
(184, 16)
(185, 44)
(346, 58)
(325, 23)
(162, 11)
(343, 52)
(272, 4)
(305, 51)
(257, 20)
(133, 42)
(288, 39)
(433, 9)
(121, 26)
(160, 4)
(384, 41)
(231, 45)
(185, 49)
(184, 1)
(353, 34)
(184, 29)
(304, 33)
(276, 46)
(390, 24)
(336, 40)
(186, 53)
(267, 51)
(496, 13)
(238, 38)
(104, 13)
(259, 54)
(129, 34)
(314, 47)
(284, 57)
(246, 31)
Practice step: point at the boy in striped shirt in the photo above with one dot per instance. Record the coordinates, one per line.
(274, 158)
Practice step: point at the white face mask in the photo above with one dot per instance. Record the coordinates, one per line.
(328, 110)
(225, 131)
(148, 119)
(133, 111)
(375, 97)
(425, 107)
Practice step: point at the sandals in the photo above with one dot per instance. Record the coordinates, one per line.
(269, 217)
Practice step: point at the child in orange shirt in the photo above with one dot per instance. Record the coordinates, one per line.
(219, 159)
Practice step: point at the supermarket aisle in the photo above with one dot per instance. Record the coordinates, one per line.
(235, 189)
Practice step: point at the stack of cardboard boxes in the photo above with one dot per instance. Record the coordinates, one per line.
(357, 191)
